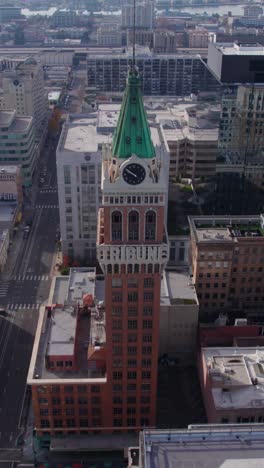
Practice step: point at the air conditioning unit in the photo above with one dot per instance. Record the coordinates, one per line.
(240, 322)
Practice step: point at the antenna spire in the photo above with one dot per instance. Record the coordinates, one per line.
(134, 37)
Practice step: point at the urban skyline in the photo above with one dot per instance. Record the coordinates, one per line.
(131, 234)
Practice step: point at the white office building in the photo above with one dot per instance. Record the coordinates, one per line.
(23, 90)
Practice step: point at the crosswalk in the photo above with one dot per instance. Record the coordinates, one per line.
(4, 285)
(31, 278)
(37, 207)
(21, 306)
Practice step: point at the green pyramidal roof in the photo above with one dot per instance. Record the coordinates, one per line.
(132, 134)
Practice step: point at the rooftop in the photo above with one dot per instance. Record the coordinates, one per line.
(237, 376)
(226, 229)
(56, 333)
(208, 446)
(82, 136)
(176, 288)
(10, 122)
(240, 49)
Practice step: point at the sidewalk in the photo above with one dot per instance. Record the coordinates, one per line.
(14, 248)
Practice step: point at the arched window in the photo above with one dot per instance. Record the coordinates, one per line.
(150, 225)
(116, 226)
(133, 226)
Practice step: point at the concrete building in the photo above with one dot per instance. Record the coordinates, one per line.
(11, 184)
(252, 11)
(8, 13)
(4, 244)
(144, 15)
(197, 38)
(175, 75)
(179, 311)
(236, 64)
(143, 37)
(242, 120)
(234, 165)
(24, 91)
(227, 264)
(57, 73)
(206, 446)
(191, 132)
(18, 145)
(164, 42)
(64, 18)
(108, 36)
(79, 159)
(232, 384)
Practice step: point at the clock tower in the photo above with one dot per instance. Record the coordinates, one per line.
(132, 250)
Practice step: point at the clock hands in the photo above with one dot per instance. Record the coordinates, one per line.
(132, 173)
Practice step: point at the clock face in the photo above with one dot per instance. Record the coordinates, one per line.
(134, 174)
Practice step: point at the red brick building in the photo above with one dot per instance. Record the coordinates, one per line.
(95, 358)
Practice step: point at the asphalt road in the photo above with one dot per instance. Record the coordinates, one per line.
(21, 295)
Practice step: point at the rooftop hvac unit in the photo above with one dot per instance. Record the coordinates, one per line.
(240, 322)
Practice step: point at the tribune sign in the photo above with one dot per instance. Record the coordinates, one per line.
(133, 253)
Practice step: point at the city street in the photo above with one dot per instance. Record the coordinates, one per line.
(21, 292)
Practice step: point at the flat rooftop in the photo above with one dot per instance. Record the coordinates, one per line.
(208, 446)
(237, 376)
(176, 288)
(226, 229)
(82, 137)
(56, 331)
(240, 49)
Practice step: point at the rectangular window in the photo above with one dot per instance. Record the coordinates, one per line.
(147, 311)
(69, 401)
(148, 296)
(148, 282)
(147, 324)
(116, 283)
(132, 311)
(117, 297)
(117, 311)
(132, 324)
(117, 375)
(132, 296)
(131, 375)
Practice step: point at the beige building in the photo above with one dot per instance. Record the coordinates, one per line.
(191, 131)
(179, 313)
(197, 38)
(232, 384)
(23, 90)
(143, 37)
(164, 42)
(18, 146)
(11, 184)
(109, 36)
(227, 255)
